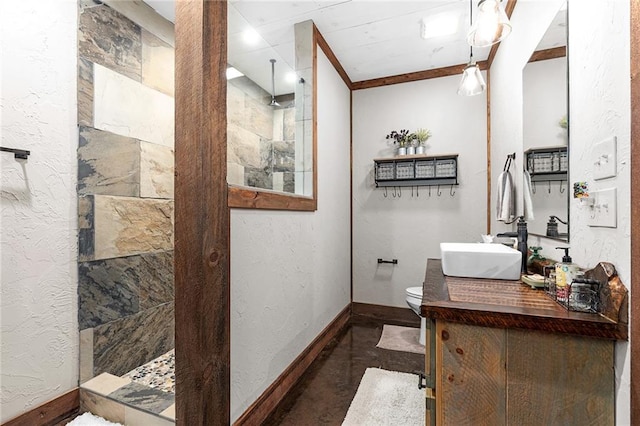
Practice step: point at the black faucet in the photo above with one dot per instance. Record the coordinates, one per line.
(523, 235)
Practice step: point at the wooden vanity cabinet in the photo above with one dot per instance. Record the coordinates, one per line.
(481, 370)
(492, 376)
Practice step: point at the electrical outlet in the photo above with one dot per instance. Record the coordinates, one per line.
(603, 211)
(604, 159)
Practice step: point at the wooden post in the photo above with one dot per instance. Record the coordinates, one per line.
(635, 218)
(202, 216)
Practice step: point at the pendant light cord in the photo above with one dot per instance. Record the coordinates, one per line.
(470, 26)
(273, 76)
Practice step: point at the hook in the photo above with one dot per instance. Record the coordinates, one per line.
(561, 188)
(533, 187)
(429, 191)
(412, 192)
(451, 191)
(418, 191)
(439, 193)
(549, 187)
(394, 192)
(399, 192)
(385, 192)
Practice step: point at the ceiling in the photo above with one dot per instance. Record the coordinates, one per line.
(370, 38)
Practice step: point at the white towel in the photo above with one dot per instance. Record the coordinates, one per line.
(506, 207)
(527, 195)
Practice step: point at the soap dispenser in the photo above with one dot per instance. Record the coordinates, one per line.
(565, 271)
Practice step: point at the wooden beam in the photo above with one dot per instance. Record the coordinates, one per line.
(49, 413)
(511, 4)
(414, 76)
(243, 197)
(543, 55)
(635, 218)
(320, 41)
(201, 215)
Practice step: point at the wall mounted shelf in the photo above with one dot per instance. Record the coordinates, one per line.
(416, 170)
(547, 164)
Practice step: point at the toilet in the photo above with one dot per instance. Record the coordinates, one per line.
(414, 300)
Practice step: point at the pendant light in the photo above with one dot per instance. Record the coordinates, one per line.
(273, 84)
(492, 25)
(472, 82)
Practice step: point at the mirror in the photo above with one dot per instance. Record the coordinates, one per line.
(546, 132)
(269, 111)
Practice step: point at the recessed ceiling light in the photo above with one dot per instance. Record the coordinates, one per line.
(291, 77)
(439, 25)
(251, 36)
(233, 73)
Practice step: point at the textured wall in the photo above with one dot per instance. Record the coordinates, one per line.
(410, 229)
(125, 184)
(38, 300)
(290, 270)
(599, 108)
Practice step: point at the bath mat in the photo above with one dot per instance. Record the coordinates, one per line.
(403, 339)
(387, 398)
(88, 419)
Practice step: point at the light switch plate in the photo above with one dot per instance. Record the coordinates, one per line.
(604, 211)
(604, 159)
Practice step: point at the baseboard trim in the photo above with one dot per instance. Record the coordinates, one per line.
(268, 402)
(388, 314)
(49, 413)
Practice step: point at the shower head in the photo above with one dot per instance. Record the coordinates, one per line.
(273, 84)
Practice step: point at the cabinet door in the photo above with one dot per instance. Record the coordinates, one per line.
(470, 375)
(555, 379)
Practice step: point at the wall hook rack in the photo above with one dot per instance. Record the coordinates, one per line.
(21, 154)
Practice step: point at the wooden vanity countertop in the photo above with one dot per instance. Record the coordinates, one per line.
(507, 304)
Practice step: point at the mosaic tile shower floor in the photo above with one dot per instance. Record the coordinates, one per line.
(158, 373)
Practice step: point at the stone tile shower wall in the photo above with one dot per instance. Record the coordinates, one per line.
(125, 189)
(261, 138)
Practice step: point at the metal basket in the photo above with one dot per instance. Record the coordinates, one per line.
(385, 171)
(445, 168)
(404, 171)
(425, 169)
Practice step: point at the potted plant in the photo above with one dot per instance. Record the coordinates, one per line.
(421, 136)
(401, 139)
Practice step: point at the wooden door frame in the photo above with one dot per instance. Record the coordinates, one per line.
(202, 217)
(635, 206)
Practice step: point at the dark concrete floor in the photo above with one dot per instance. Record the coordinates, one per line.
(324, 394)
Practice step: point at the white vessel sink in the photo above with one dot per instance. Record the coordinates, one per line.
(477, 260)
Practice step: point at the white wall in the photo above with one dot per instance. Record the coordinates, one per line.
(411, 229)
(290, 272)
(599, 104)
(39, 330)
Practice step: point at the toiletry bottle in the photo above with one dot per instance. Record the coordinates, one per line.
(565, 271)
